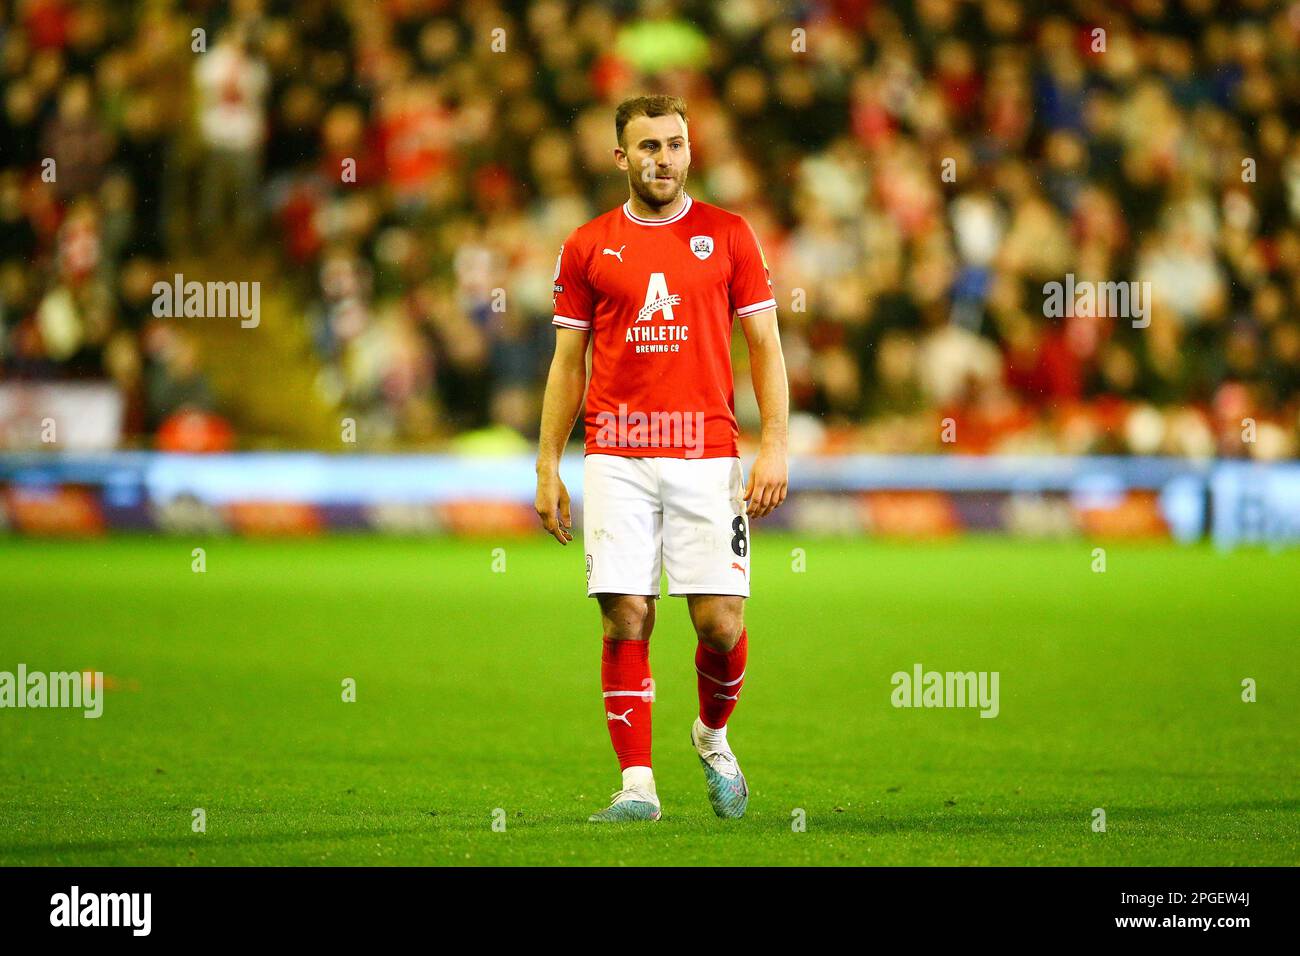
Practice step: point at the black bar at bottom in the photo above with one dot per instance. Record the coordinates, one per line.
(328, 905)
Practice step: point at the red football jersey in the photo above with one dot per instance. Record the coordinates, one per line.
(658, 296)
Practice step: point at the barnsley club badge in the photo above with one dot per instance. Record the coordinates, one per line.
(702, 246)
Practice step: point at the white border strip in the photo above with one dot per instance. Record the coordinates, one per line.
(757, 307)
(627, 211)
(722, 683)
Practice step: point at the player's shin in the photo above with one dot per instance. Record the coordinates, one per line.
(629, 698)
(719, 678)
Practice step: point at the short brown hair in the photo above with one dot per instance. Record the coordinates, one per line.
(660, 105)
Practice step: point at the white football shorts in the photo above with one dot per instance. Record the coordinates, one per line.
(641, 516)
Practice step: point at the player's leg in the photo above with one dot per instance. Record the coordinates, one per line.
(721, 654)
(627, 620)
(621, 532)
(706, 554)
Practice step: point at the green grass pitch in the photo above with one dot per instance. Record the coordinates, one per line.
(478, 700)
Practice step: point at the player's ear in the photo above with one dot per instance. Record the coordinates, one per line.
(620, 158)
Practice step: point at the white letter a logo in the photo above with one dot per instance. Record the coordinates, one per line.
(657, 299)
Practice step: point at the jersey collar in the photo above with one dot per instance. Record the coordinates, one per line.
(676, 217)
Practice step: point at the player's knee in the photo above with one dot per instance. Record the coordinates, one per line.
(719, 630)
(627, 619)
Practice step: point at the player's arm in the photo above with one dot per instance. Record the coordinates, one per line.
(770, 476)
(565, 384)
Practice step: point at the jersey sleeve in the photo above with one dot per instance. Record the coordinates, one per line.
(751, 283)
(573, 297)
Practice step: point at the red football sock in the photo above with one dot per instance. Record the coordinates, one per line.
(720, 677)
(629, 693)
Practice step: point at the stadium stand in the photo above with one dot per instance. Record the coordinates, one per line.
(1169, 156)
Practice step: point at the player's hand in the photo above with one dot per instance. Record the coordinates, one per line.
(767, 484)
(553, 506)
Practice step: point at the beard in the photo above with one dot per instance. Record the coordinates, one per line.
(658, 193)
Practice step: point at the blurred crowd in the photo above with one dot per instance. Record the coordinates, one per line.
(916, 172)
